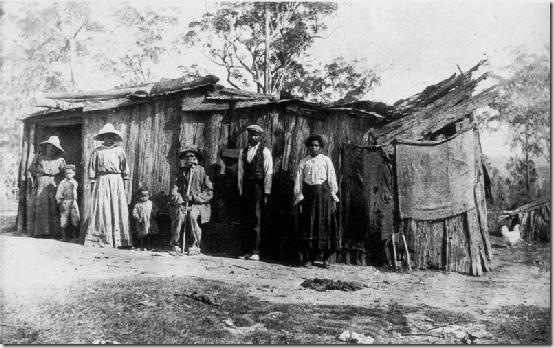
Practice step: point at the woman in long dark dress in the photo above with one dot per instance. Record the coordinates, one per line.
(46, 173)
(315, 191)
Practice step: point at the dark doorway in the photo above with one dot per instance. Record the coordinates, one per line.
(71, 139)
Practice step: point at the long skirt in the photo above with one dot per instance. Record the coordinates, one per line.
(108, 224)
(46, 217)
(318, 224)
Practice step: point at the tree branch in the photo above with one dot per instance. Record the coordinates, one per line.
(229, 78)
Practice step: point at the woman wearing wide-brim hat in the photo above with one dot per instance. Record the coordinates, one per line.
(45, 173)
(108, 224)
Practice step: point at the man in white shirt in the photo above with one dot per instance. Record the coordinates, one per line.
(255, 172)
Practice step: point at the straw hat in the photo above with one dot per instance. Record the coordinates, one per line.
(108, 129)
(190, 149)
(55, 141)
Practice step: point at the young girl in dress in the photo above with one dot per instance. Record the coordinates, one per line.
(108, 224)
(144, 213)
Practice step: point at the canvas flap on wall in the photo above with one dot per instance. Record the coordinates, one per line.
(436, 180)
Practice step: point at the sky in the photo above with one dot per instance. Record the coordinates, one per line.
(411, 44)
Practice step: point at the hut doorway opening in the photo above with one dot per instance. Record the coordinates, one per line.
(71, 139)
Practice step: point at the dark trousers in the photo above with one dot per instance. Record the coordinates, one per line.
(252, 198)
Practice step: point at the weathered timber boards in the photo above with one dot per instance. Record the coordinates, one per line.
(528, 206)
(25, 184)
(437, 91)
(433, 117)
(535, 223)
(454, 244)
(481, 207)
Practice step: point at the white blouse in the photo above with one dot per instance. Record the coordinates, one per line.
(315, 171)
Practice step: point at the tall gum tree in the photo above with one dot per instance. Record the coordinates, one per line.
(259, 43)
(524, 105)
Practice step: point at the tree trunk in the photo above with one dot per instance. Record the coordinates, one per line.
(72, 62)
(267, 82)
(527, 156)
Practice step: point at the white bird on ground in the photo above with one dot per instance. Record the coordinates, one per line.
(511, 237)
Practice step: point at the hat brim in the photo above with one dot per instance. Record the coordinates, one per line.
(100, 136)
(59, 147)
(196, 153)
(256, 131)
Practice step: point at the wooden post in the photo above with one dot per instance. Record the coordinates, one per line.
(407, 252)
(393, 252)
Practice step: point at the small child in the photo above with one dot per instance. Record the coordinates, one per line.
(143, 213)
(66, 196)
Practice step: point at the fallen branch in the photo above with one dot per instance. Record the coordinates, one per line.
(422, 334)
(122, 267)
(14, 325)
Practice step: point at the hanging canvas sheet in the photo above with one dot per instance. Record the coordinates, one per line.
(436, 179)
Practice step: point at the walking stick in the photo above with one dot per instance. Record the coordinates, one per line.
(186, 210)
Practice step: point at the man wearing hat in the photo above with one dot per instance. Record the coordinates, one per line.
(255, 171)
(190, 199)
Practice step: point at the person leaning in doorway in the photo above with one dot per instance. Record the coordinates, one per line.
(255, 172)
(45, 173)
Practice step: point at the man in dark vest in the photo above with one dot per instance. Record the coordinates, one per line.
(255, 170)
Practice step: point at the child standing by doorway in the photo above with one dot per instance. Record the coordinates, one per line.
(66, 196)
(144, 213)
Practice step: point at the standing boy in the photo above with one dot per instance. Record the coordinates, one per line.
(255, 171)
(66, 196)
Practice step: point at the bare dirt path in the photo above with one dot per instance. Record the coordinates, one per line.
(35, 270)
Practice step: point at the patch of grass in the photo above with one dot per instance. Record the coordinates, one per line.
(521, 325)
(442, 317)
(153, 311)
(19, 335)
(147, 311)
(330, 284)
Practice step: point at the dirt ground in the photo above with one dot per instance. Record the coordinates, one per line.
(56, 292)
